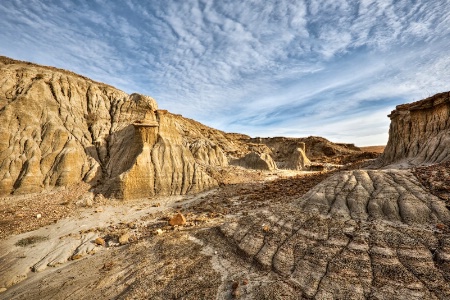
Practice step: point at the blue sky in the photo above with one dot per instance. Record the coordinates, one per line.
(331, 68)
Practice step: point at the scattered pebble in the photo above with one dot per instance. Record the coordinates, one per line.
(38, 216)
(177, 220)
(440, 226)
(99, 241)
(236, 294)
(123, 239)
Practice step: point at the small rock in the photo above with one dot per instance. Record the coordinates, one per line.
(235, 285)
(245, 281)
(440, 226)
(76, 256)
(38, 216)
(159, 231)
(111, 243)
(99, 209)
(236, 294)
(266, 228)
(123, 239)
(177, 220)
(157, 204)
(2, 289)
(99, 198)
(99, 241)
(86, 200)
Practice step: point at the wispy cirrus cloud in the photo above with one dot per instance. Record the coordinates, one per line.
(333, 68)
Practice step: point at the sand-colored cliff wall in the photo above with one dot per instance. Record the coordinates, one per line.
(419, 132)
(59, 128)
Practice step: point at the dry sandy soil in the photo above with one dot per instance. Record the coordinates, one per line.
(58, 230)
(376, 149)
(264, 235)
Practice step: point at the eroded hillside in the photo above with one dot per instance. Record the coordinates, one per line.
(62, 129)
(345, 232)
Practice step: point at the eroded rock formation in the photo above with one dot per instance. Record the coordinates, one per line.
(419, 132)
(357, 235)
(288, 153)
(61, 128)
(254, 160)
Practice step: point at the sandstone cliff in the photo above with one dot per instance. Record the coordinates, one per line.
(60, 128)
(419, 132)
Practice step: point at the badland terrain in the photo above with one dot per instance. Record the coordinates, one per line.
(106, 196)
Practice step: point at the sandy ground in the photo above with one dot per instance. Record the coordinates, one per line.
(67, 229)
(376, 149)
(109, 249)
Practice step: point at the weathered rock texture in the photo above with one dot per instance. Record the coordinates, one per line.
(256, 161)
(60, 128)
(419, 132)
(436, 178)
(288, 153)
(391, 195)
(298, 153)
(357, 235)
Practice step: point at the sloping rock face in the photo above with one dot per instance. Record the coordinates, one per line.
(287, 153)
(60, 128)
(257, 161)
(161, 164)
(357, 235)
(299, 153)
(419, 132)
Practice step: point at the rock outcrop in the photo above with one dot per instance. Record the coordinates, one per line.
(161, 164)
(306, 153)
(257, 161)
(419, 132)
(357, 235)
(288, 153)
(60, 128)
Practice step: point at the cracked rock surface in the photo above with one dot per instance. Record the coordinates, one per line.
(360, 234)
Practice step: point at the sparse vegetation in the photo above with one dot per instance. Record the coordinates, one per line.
(31, 240)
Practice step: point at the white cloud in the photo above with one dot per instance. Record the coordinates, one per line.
(256, 66)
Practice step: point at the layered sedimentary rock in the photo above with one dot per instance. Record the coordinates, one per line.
(162, 165)
(300, 153)
(357, 235)
(60, 128)
(288, 153)
(419, 132)
(257, 161)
